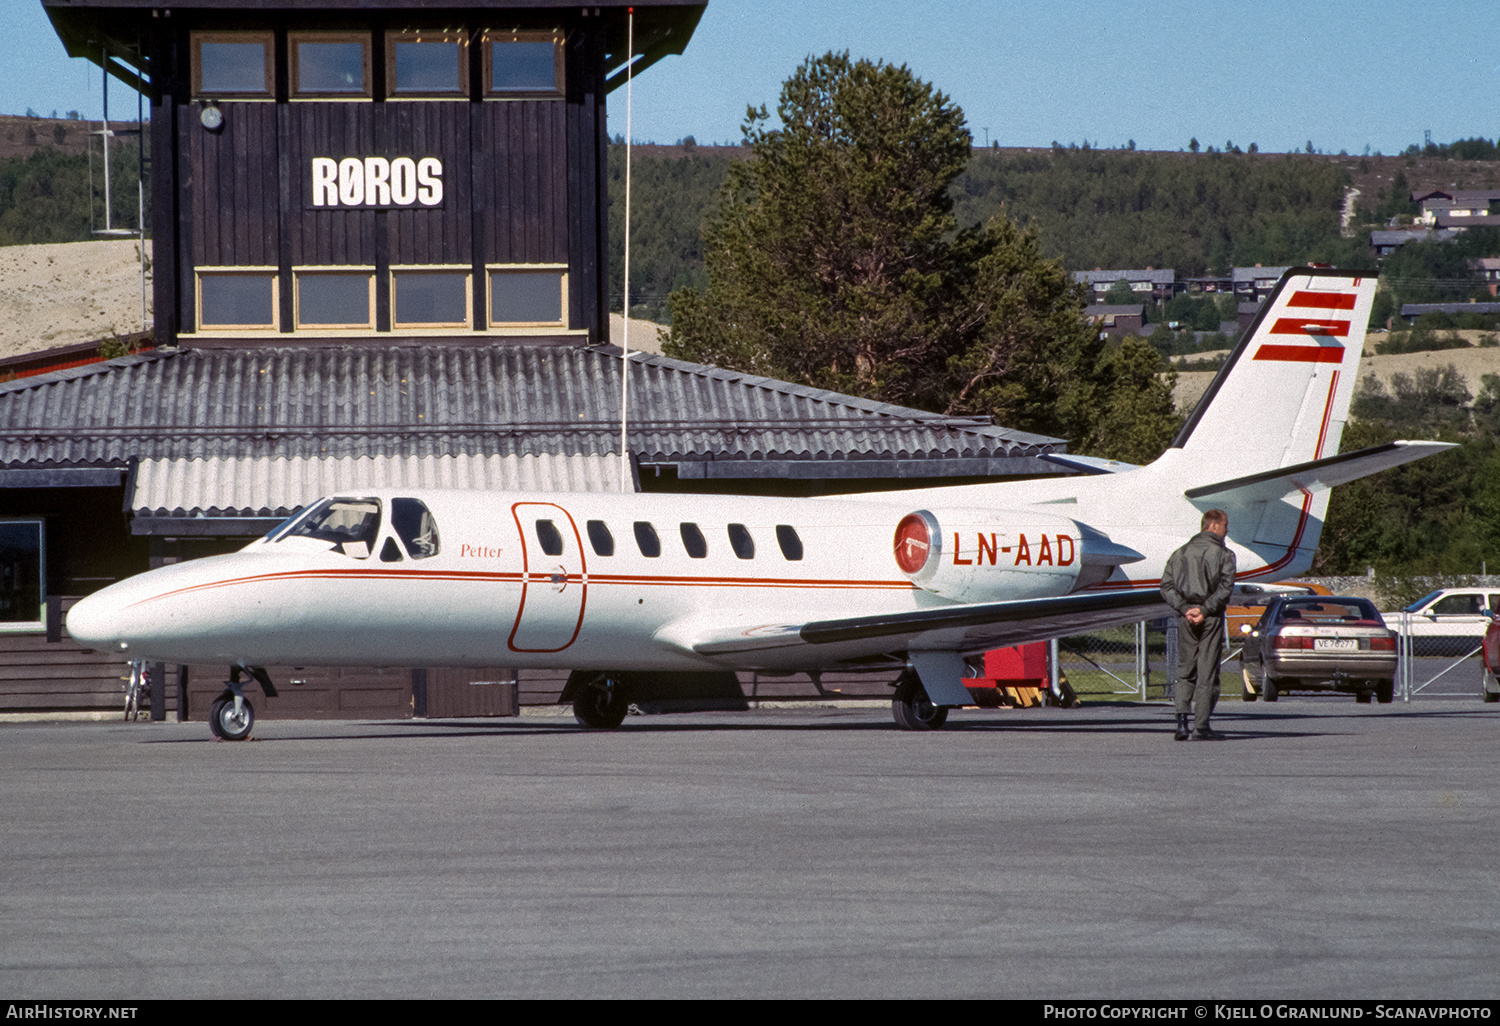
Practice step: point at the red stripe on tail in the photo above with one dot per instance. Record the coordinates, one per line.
(1323, 300)
(1301, 354)
(1308, 326)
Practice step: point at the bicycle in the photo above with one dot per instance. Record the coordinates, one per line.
(137, 688)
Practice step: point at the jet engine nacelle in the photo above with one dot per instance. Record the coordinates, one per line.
(971, 555)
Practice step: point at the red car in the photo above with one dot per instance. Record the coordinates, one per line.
(1491, 650)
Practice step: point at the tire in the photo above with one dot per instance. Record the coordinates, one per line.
(1385, 691)
(1363, 697)
(1491, 696)
(1269, 691)
(225, 725)
(601, 706)
(913, 710)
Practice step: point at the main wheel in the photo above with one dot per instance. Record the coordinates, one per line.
(1491, 696)
(1269, 690)
(226, 724)
(1385, 691)
(913, 710)
(1362, 697)
(601, 706)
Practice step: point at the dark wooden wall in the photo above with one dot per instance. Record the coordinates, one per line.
(524, 182)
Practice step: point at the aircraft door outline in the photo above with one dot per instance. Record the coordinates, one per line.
(553, 595)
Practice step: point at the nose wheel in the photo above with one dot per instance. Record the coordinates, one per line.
(231, 717)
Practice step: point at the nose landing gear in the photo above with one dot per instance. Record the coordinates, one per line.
(231, 717)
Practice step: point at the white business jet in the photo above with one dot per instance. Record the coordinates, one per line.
(625, 590)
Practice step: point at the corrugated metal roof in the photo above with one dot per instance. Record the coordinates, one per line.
(1165, 276)
(363, 401)
(262, 487)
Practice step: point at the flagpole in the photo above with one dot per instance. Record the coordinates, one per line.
(625, 476)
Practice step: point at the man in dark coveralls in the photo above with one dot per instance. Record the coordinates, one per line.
(1197, 583)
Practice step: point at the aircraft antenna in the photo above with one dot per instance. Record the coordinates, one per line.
(625, 303)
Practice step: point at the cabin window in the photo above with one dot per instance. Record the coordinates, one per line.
(23, 591)
(741, 542)
(336, 299)
(549, 537)
(692, 540)
(330, 64)
(415, 526)
(234, 64)
(430, 299)
(427, 64)
(600, 538)
(791, 545)
(646, 539)
(349, 524)
(522, 65)
(524, 296)
(237, 300)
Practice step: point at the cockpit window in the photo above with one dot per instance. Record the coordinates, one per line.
(414, 524)
(350, 524)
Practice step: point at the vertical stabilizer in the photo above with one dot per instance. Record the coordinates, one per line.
(1283, 394)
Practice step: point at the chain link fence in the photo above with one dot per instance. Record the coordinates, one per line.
(1137, 662)
(1437, 660)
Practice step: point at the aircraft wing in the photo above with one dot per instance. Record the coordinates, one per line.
(971, 627)
(1316, 475)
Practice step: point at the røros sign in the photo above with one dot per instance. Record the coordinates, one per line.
(376, 182)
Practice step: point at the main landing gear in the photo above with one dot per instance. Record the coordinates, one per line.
(912, 709)
(600, 700)
(231, 716)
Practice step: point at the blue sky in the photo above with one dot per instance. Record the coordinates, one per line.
(1345, 75)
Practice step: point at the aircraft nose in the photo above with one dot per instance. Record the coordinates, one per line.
(98, 621)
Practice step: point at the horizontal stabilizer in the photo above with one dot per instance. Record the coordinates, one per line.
(1316, 475)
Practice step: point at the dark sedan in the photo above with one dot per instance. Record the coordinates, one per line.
(1319, 643)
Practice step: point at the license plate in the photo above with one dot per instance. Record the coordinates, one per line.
(1336, 644)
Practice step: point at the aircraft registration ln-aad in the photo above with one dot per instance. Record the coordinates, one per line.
(625, 590)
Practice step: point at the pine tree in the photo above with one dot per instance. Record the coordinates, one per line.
(834, 259)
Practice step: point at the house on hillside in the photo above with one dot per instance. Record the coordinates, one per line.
(1411, 311)
(1254, 284)
(1148, 283)
(1460, 204)
(1384, 243)
(1119, 320)
(1487, 268)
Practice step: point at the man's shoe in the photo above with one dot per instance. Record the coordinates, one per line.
(1207, 734)
(1182, 728)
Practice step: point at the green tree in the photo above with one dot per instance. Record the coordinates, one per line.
(829, 252)
(834, 259)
